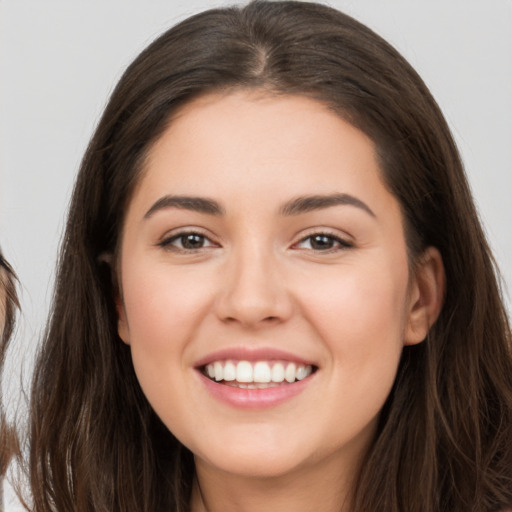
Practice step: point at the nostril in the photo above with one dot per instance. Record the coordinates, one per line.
(245, 320)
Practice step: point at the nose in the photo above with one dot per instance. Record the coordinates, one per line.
(254, 291)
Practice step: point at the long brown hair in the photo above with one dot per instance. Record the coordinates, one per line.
(8, 305)
(444, 441)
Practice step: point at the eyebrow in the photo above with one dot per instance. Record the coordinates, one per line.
(297, 206)
(305, 204)
(196, 204)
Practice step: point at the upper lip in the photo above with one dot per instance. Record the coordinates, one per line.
(251, 354)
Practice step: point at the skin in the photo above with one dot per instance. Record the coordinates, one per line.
(257, 279)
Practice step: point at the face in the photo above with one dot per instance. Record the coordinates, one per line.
(265, 287)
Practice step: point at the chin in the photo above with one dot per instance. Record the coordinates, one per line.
(258, 466)
(256, 460)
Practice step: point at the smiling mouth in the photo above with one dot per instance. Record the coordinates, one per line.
(257, 374)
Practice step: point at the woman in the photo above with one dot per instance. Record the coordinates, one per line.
(274, 292)
(8, 305)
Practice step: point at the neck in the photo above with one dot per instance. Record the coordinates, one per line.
(327, 488)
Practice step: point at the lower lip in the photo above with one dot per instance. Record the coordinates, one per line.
(254, 398)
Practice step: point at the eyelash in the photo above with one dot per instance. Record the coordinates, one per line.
(168, 242)
(336, 243)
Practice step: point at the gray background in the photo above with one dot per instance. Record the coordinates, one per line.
(60, 59)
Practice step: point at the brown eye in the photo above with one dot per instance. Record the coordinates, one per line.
(192, 241)
(323, 242)
(187, 242)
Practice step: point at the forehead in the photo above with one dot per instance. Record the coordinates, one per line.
(258, 122)
(259, 129)
(252, 145)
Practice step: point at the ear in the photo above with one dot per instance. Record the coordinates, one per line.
(122, 321)
(426, 293)
(108, 259)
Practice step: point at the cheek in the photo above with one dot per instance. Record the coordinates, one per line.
(360, 315)
(162, 303)
(164, 307)
(360, 319)
(358, 300)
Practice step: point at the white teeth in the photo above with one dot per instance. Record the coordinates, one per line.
(301, 372)
(289, 373)
(244, 371)
(261, 374)
(219, 373)
(266, 385)
(254, 386)
(278, 372)
(229, 371)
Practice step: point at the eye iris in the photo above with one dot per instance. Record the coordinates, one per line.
(192, 241)
(322, 242)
